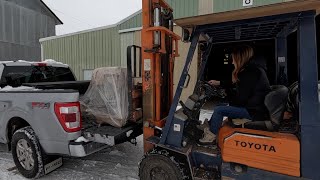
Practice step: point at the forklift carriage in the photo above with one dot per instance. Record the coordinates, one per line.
(248, 153)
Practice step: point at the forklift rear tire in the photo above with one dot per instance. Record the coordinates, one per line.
(159, 167)
(26, 152)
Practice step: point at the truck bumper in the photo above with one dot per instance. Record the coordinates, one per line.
(82, 149)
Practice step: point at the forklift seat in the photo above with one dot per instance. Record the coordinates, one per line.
(275, 102)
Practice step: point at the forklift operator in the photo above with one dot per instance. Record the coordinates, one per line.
(247, 101)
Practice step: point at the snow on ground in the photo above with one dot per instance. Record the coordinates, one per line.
(119, 162)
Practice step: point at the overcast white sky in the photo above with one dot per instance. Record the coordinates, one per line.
(78, 15)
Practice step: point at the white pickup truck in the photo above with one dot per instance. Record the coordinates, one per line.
(40, 117)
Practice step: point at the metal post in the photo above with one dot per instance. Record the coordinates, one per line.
(157, 24)
(204, 60)
(309, 101)
(180, 86)
(281, 61)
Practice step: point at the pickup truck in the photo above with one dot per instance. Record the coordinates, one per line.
(41, 118)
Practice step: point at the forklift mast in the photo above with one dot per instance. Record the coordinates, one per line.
(159, 49)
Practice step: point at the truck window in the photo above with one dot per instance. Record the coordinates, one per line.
(17, 75)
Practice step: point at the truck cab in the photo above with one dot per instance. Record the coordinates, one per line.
(17, 73)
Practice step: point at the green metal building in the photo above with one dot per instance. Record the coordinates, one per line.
(106, 46)
(84, 50)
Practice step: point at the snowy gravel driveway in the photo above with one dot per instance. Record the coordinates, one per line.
(119, 162)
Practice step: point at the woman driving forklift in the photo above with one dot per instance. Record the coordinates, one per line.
(247, 101)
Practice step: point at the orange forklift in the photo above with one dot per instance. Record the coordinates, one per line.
(270, 149)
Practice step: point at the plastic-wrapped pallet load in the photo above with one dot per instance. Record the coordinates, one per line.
(107, 96)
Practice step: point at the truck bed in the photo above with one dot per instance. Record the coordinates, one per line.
(101, 134)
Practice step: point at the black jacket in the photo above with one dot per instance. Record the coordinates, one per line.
(251, 89)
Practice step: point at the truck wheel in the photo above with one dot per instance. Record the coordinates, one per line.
(156, 166)
(26, 152)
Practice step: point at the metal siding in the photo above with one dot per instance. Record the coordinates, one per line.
(88, 56)
(133, 22)
(108, 49)
(189, 8)
(2, 21)
(8, 22)
(108, 61)
(91, 51)
(88, 50)
(184, 8)
(82, 50)
(34, 5)
(97, 49)
(228, 5)
(16, 24)
(205, 7)
(137, 35)
(139, 21)
(20, 30)
(94, 50)
(105, 49)
(117, 45)
(24, 26)
(127, 39)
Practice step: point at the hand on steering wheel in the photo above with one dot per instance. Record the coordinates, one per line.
(214, 83)
(213, 91)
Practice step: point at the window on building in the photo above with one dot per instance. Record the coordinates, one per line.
(87, 74)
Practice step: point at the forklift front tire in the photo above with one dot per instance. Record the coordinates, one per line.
(159, 167)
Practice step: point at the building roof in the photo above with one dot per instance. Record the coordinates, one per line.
(248, 13)
(57, 20)
(78, 32)
(129, 17)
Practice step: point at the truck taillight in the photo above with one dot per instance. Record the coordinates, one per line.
(41, 64)
(69, 116)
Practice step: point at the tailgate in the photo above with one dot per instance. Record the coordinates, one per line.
(110, 135)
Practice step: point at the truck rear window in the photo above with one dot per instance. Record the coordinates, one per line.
(17, 75)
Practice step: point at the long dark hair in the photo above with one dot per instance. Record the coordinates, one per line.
(241, 56)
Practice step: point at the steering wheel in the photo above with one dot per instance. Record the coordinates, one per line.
(213, 91)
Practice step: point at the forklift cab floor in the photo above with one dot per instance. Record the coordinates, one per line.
(191, 146)
(210, 149)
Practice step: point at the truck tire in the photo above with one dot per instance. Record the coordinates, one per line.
(26, 152)
(158, 166)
